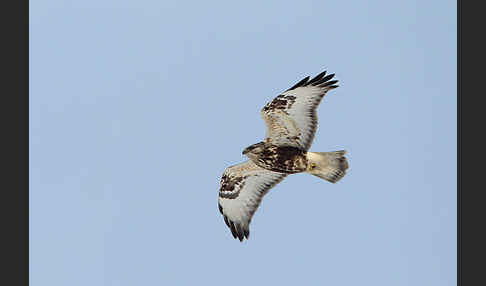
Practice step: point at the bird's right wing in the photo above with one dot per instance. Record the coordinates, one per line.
(291, 117)
(242, 189)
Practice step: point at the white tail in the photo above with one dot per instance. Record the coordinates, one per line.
(330, 166)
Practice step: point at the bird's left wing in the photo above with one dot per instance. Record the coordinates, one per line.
(291, 117)
(242, 189)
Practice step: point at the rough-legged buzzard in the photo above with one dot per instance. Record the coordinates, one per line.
(291, 121)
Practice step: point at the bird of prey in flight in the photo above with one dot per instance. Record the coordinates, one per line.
(291, 121)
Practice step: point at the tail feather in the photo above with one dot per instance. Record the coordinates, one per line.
(330, 166)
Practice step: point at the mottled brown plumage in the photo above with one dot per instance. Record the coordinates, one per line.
(282, 159)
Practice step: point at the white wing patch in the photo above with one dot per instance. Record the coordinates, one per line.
(291, 117)
(242, 189)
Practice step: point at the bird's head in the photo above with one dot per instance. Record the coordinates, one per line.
(254, 150)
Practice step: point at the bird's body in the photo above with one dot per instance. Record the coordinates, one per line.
(281, 159)
(291, 121)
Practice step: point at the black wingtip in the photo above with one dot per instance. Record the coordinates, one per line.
(323, 80)
(247, 233)
(303, 82)
(332, 82)
(320, 80)
(238, 231)
(317, 77)
(328, 77)
(233, 229)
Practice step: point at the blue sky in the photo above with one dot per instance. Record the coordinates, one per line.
(137, 107)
